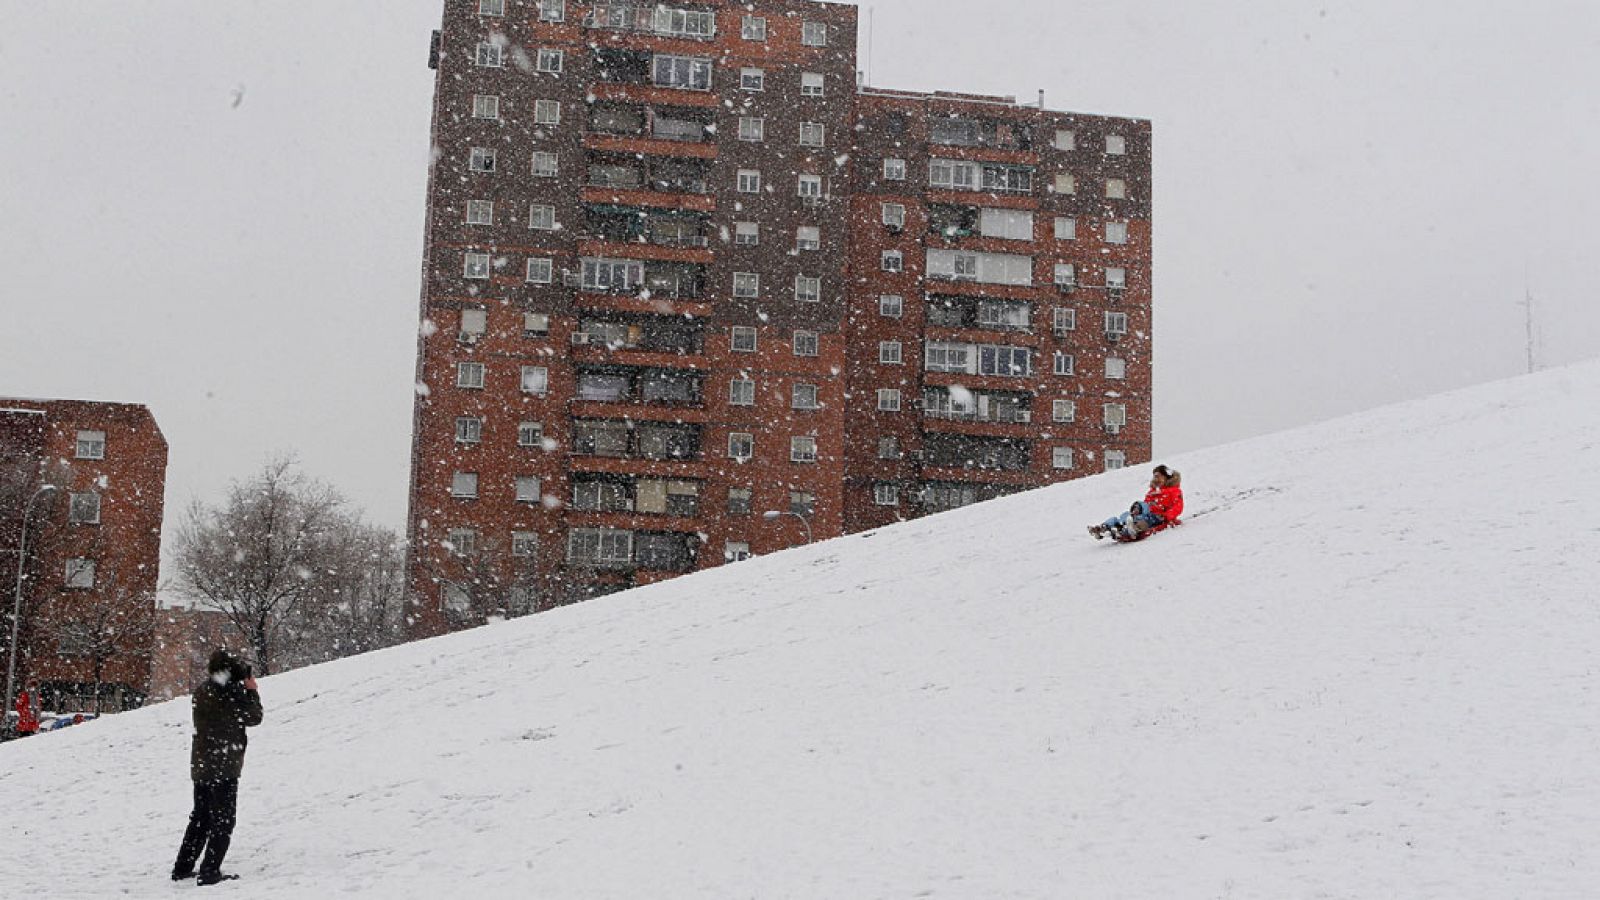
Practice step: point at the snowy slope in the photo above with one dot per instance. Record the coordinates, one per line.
(1365, 669)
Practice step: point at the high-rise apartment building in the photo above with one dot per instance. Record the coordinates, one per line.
(692, 293)
(89, 480)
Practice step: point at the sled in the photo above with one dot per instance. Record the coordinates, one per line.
(1121, 538)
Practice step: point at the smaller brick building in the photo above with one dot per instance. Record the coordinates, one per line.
(94, 546)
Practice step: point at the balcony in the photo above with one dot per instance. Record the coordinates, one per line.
(662, 177)
(960, 312)
(972, 452)
(968, 406)
(644, 496)
(653, 18)
(651, 122)
(952, 131)
(628, 225)
(637, 277)
(661, 335)
(636, 440)
(623, 384)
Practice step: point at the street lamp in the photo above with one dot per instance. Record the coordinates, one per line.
(16, 608)
(772, 514)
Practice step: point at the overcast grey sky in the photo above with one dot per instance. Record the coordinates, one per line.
(1350, 200)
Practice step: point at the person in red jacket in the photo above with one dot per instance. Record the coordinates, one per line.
(28, 709)
(1162, 505)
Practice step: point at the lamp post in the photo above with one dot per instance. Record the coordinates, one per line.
(773, 514)
(16, 608)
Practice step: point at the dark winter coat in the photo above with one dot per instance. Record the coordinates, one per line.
(221, 714)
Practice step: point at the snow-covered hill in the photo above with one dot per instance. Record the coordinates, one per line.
(1366, 667)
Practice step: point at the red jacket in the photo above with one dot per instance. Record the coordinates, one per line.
(1166, 502)
(27, 714)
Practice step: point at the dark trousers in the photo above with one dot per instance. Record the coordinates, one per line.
(210, 826)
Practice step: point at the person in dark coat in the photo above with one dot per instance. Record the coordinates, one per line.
(225, 704)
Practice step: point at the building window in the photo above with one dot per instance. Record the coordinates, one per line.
(1116, 232)
(742, 392)
(1065, 363)
(547, 112)
(688, 72)
(741, 445)
(474, 323)
(1115, 459)
(464, 486)
(889, 399)
(803, 503)
(886, 494)
(805, 343)
(524, 543)
(1116, 189)
(552, 10)
(809, 186)
(541, 217)
(1116, 368)
(489, 55)
(735, 551)
(814, 34)
(893, 261)
(480, 212)
(91, 445)
(891, 306)
(889, 352)
(804, 397)
(80, 574)
(485, 106)
(1066, 140)
(753, 28)
(807, 289)
(739, 501)
(1063, 320)
(469, 430)
(894, 215)
(535, 380)
(1116, 323)
(1066, 183)
(888, 448)
(1116, 145)
(813, 134)
(749, 181)
(535, 325)
(1116, 278)
(1116, 416)
(746, 284)
(803, 449)
(491, 7)
(1066, 275)
(1066, 228)
(752, 79)
(744, 339)
(1061, 457)
(600, 546)
(811, 84)
(752, 128)
(528, 489)
(481, 160)
(1063, 410)
(808, 237)
(530, 434)
(462, 541)
(469, 375)
(545, 164)
(541, 271)
(894, 170)
(746, 234)
(477, 266)
(550, 62)
(84, 509)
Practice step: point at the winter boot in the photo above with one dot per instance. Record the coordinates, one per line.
(210, 878)
(1099, 532)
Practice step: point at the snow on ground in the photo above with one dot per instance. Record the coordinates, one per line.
(1364, 668)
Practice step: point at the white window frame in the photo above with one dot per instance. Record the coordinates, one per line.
(891, 353)
(477, 266)
(470, 375)
(752, 128)
(546, 112)
(892, 261)
(1064, 364)
(489, 55)
(539, 214)
(752, 79)
(546, 164)
(809, 186)
(486, 106)
(541, 270)
(808, 238)
(480, 212)
(742, 331)
(812, 343)
(530, 434)
(1063, 410)
(90, 445)
(746, 234)
(813, 84)
(742, 392)
(549, 61)
(813, 134)
(491, 7)
(1063, 320)
(535, 380)
(80, 574)
(894, 169)
(1066, 275)
(1116, 368)
(684, 73)
(753, 28)
(735, 551)
(885, 494)
(535, 324)
(523, 482)
(464, 486)
(1117, 232)
(888, 399)
(802, 449)
(747, 285)
(1115, 415)
(552, 10)
(749, 181)
(891, 306)
(741, 445)
(803, 395)
(1114, 460)
(463, 541)
(894, 215)
(1060, 458)
(807, 289)
(469, 430)
(1116, 278)
(474, 322)
(482, 160)
(524, 544)
(84, 508)
(814, 34)
(1066, 228)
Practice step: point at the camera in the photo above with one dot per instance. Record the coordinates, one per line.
(240, 671)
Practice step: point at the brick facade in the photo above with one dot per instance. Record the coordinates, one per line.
(613, 304)
(94, 557)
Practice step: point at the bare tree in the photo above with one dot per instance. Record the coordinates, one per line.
(360, 602)
(123, 618)
(258, 556)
